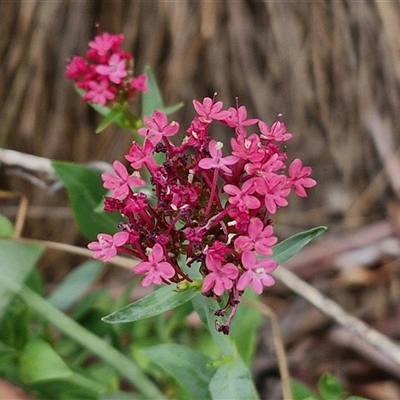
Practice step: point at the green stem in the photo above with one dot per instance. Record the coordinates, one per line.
(125, 366)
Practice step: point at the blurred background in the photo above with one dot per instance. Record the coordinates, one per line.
(332, 68)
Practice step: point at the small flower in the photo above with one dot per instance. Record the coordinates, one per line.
(248, 148)
(155, 268)
(208, 110)
(139, 155)
(105, 42)
(216, 160)
(237, 118)
(220, 278)
(277, 133)
(139, 83)
(256, 273)
(77, 68)
(242, 198)
(259, 239)
(274, 191)
(99, 92)
(106, 247)
(299, 177)
(157, 127)
(115, 70)
(121, 183)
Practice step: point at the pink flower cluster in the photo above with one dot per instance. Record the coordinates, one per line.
(106, 75)
(209, 212)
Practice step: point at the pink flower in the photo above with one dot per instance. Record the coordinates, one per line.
(155, 269)
(242, 198)
(99, 92)
(139, 83)
(248, 148)
(208, 110)
(256, 273)
(77, 68)
(299, 177)
(115, 70)
(274, 190)
(106, 247)
(139, 155)
(105, 42)
(259, 239)
(157, 127)
(220, 278)
(121, 183)
(237, 118)
(277, 133)
(266, 169)
(216, 160)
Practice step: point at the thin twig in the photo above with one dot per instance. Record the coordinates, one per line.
(338, 314)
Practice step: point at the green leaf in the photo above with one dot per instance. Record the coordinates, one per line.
(6, 227)
(16, 262)
(161, 300)
(152, 99)
(292, 245)
(301, 391)
(85, 189)
(75, 284)
(39, 362)
(330, 388)
(244, 328)
(233, 381)
(187, 366)
(122, 116)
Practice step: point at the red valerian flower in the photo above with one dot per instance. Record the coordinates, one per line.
(219, 277)
(256, 272)
(158, 127)
(121, 183)
(259, 238)
(299, 177)
(205, 213)
(106, 75)
(156, 270)
(216, 160)
(106, 247)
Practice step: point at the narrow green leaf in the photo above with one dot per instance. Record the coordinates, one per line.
(152, 99)
(157, 302)
(114, 115)
(6, 227)
(85, 189)
(16, 262)
(244, 328)
(330, 388)
(233, 381)
(75, 284)
(39, 362)
(187, 366)
(292, 245)
(300, 391)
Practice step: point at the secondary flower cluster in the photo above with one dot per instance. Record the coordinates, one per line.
(210, 213)
(106, 76)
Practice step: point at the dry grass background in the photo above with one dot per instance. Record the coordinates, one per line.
(331, 67)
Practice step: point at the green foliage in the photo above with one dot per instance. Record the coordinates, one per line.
(329, 388)
(6, 227)
(85, 190)
(152, 99)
